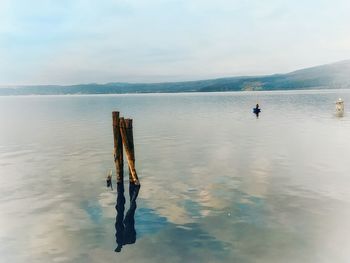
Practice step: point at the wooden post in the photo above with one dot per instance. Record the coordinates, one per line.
(118, 147)
(128, 143)
(129, 135)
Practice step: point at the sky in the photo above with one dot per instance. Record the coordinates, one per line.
(84, 41)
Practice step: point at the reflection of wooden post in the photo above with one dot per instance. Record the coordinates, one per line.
(128, 142)
(118, 147)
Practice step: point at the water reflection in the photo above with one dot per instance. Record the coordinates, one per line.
(257, 114)
(125, 227)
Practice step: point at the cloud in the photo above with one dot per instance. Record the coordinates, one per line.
(63, 42)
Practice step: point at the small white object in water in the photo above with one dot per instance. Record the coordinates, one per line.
(339, 107)
(229, 214)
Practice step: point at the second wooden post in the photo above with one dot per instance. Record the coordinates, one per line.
(128, 142)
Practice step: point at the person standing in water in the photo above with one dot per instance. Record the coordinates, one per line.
(256, 110)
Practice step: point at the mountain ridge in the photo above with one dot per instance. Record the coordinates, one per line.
(331, 76)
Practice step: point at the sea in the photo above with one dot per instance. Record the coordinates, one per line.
(218, 183)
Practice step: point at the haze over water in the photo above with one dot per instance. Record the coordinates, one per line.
(218, 184)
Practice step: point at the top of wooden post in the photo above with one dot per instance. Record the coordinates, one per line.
(115, 116)
(128, 123)
(125, 123)
(121, 122)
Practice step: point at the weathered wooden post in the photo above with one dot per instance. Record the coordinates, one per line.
(118, 147)
(123, 136)
(129, 134)
(128, 143)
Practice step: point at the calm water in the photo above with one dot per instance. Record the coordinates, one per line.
(218, 184)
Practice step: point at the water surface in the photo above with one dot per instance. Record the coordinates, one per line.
(218, 184)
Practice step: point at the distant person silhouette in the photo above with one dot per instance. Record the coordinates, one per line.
(256, 110)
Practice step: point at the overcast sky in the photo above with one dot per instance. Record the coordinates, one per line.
(83, 41)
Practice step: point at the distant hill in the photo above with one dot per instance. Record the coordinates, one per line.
(330, 76)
